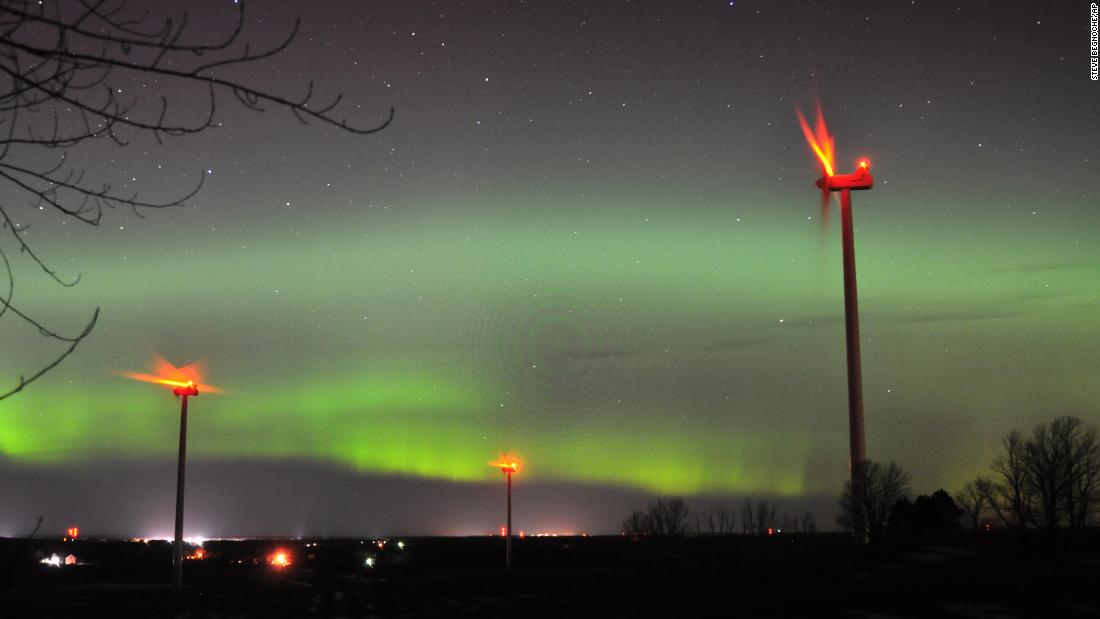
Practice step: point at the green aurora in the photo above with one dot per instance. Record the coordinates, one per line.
(698, 355)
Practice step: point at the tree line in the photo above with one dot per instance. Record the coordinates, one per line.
(673, 517)
(1047, 480)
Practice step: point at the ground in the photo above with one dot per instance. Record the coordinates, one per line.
(738, 576)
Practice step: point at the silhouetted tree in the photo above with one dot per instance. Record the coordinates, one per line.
(883, 486)
(937, 515)
(1046, 462)
(715, 520)
(78, 72)
(899, 526)
(1083, 484)
(1064, 464)
(808, 524)
(668, 517)
(1013, 497)
(660, 518)
(1050, 479)
(975, 500)
(757, 517)
(929, 518)
(637, 524)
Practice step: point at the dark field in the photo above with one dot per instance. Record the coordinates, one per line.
(733, 576)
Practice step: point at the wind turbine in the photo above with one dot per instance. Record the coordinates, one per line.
(185, 383)
(508, 466)
(823, 146)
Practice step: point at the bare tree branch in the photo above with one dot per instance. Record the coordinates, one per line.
(62, 65)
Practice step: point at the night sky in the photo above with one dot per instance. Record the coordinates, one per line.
(589, 238)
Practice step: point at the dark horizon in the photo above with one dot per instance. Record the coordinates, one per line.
(224, 501)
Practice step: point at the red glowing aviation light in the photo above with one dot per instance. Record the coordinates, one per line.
(187, 380)
(280, 559)
(507, 466)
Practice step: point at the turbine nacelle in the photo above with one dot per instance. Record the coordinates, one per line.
(860, 179)
(190, 389)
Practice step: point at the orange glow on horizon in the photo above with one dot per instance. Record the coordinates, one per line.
(823, 144)
(280, 559)
(165, 373)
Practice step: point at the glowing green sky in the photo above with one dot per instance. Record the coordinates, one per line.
(601, 255)
(677, 356)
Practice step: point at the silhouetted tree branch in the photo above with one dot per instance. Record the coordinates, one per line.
(661, 518)
(715, 520)
(808, 524)
(637, 524)
(975, 499)
(1050, 479)
(758, 517)
(60, 66)
(668, 517)
(1012, 499)
(883, 485)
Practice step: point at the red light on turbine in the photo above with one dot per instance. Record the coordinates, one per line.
(506, 465)
(190, 389)
(860, 179)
